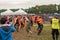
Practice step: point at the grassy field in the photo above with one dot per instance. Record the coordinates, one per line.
(45, 34)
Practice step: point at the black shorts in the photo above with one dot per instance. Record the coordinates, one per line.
(55, 31)
(40, 25)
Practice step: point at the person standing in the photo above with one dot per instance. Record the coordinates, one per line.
(28, 27)
(40, 24)
(6, 30)
(55, 27)
(16, 23)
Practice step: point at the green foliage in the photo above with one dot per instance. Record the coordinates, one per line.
(44, 9)
(48, 8)
(2, 10)
(41, 9)
(59, 8)
(14, 10)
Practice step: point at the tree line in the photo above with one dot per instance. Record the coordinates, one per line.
(39, 9)
(44, 9)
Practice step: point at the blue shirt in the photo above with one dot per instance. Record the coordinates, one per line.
(6, 35)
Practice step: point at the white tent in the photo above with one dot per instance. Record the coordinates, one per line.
(8, 12)
(20, 12)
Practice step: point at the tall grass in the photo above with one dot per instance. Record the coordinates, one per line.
(45, 34)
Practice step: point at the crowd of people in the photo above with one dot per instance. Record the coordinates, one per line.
(21, 22)
(9, 24)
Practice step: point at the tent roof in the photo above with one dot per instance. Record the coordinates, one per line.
(8, 12)
(20, 12)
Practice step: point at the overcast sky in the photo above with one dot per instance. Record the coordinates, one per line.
(25, 3)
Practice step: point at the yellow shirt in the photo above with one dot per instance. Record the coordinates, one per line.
(55, 23)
